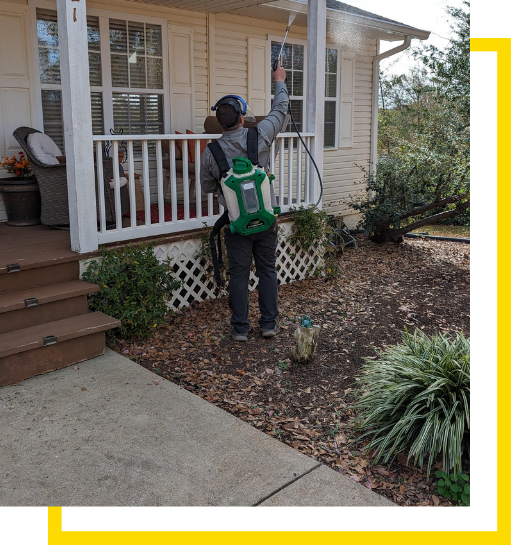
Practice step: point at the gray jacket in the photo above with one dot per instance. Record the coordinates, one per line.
(234, 143)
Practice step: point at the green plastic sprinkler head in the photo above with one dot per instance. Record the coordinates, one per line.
(306, 322)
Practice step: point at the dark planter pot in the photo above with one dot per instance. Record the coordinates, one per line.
(22, 201)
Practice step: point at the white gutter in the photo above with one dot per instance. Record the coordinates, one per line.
(373, 155)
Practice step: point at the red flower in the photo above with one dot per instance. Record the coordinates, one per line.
(21, 153)
(18, 173)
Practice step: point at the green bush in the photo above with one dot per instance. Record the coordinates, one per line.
(134, 288)
(414, 397)
(310, 228)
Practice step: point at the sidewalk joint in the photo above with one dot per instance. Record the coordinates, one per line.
(287, 484)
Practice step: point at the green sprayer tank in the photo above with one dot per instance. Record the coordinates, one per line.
(246, 190)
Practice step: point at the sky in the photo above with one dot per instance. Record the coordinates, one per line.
(423, 14)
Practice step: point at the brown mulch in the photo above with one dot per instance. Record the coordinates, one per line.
(380, 291)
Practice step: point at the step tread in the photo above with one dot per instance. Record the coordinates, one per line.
(69, 328)
(46, 294)
(38, 258)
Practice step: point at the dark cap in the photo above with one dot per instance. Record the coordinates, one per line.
(228, 111)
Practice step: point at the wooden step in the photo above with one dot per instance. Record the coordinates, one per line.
(34, 306)
(53, 273)
(23, 353)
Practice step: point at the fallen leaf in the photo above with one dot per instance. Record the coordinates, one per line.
(84, 389)
(435, 499)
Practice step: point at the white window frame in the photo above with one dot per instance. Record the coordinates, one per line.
(337, 98)
(270, 39)
(106, 88)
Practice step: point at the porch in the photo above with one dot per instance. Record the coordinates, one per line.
(169, 195)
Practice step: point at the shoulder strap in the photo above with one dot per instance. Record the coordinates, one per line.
(219, 156)
(253, 146)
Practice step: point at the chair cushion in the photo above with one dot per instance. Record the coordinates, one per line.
(179, 166)
(43, 148)
(191, 147)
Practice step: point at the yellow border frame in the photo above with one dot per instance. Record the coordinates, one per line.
(57, 537)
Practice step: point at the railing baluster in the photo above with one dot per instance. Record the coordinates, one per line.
(132, 188)
(117, 187)
(173, 180)
(198, 193)
(101, 187)
(298, 173)
(147, 190)
(159, 182)
(290, 143)
(281, 173)
(186, 181)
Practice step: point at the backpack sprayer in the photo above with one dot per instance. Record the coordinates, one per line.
(246, 187)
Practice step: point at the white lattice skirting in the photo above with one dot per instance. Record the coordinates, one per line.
(196, 272)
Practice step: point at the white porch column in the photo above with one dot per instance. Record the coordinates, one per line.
(315, 92)
(76, 111)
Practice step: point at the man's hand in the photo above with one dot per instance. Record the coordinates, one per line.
(280, 73)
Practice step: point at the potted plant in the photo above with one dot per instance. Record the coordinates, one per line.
(20, 192)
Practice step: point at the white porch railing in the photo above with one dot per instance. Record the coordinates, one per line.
(173, 201)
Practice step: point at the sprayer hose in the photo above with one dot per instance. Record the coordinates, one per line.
(310, 155)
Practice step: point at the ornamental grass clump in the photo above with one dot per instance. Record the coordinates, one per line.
(414, 398)
(134, 286)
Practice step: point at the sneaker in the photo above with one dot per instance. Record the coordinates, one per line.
(270, 332)
(238, 336)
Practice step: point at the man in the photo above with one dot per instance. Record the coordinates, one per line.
(262, 246)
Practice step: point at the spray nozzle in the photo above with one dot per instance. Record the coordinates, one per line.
(292, 16)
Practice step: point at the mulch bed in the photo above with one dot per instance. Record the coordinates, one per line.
(380, 291)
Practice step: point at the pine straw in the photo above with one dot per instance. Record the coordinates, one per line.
(381, 290)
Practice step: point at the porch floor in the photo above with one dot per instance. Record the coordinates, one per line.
(34, 246)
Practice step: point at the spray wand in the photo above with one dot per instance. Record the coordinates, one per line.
(292, 16)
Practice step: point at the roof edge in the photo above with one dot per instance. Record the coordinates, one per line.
(362, 20)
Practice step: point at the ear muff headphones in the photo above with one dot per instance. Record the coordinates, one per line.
(234, 101)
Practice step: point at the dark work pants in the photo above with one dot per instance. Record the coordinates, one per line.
(240, 250)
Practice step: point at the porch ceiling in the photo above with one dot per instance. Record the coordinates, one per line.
(339, 15)
(207, 6)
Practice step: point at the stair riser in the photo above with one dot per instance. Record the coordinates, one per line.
(39, 276)
(42, 314)
(21, 366)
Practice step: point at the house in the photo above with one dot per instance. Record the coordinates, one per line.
(125, 76)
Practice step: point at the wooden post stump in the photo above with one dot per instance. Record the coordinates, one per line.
(306, 339)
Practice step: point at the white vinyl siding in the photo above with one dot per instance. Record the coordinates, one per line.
(340, 171)
(16, 105)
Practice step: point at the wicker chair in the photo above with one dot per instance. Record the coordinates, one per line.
(52, 182)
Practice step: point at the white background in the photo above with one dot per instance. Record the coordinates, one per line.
(29, 525)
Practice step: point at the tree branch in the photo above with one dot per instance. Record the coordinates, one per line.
(435, 204)
(430, 220)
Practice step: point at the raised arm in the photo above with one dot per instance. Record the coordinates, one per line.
(271, 125)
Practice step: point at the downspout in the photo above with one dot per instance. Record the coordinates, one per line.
(375, 96)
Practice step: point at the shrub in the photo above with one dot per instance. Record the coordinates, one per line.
(415, 397)
(134, 288)
(310, 228)
(455, 487)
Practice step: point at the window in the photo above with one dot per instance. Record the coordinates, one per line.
(331, 92)
(293, 63)
(127, 90)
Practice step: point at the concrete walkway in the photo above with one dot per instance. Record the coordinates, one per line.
(113, 433)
